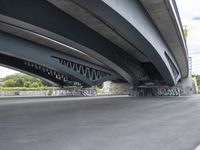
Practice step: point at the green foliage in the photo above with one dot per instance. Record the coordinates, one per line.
(9, 83)
(44, 83)
(19, 82)
(34, 85)
(27, 84)
(25, 88)
(197, 78)
(99, 90)
(23, 80)
(100, 86)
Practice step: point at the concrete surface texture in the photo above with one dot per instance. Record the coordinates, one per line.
(163, 13)
(115, 88)
(101, 123)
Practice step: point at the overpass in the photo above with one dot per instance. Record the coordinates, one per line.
(136, 41)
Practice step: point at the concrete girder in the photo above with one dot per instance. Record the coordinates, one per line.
(129, 20)
(16, 27)
(49, 18)
(94, 23)
(166, 17)
(39, 56)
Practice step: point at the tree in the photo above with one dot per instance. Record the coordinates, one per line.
(27, 84)
(100, 86)
(19, 82)
(23, 80)
(197, 78)
(45, 83)
(9, 83)
(34, 85)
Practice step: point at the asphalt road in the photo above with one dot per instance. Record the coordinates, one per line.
(109, 123)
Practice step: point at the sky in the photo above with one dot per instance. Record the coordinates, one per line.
(5, 71)
(189, 11)
(190, 15)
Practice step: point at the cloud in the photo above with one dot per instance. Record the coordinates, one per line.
(6, 71)
(196, 18)
(190, 16)
(188, 8)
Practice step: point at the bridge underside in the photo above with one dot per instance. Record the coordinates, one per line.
(85, 41)
(50, 64)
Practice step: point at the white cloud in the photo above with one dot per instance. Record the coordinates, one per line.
(190, 16)
(188, 9)
(5, 71)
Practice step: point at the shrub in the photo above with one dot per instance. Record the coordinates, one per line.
(9, 83)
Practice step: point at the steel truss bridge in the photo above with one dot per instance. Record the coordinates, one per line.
(92, 41)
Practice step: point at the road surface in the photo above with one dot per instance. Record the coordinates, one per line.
(105, 123)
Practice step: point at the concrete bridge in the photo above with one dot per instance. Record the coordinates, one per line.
(64, 41)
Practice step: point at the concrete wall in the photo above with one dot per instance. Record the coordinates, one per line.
(115, 88)
(61, 92)
(186, 87)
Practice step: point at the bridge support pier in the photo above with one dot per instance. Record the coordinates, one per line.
(126, 89)
(186, 87)
(115, 88)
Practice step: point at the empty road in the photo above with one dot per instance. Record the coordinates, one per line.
(101, 123)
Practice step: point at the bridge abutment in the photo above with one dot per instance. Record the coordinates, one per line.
(186, 87)
(155, 91)
(115, 88)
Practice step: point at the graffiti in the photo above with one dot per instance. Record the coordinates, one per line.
(89, 92)
(171, 91)
(165, 91)
(73, 92)
(186, 90)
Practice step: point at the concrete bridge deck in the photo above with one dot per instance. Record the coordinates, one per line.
(125, 37)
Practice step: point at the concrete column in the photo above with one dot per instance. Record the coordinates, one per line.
(115, 88)
(188, 86)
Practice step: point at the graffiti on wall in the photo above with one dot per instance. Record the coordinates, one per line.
(170, 91)
(89, 92)
(74, 92)
(161, 91)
